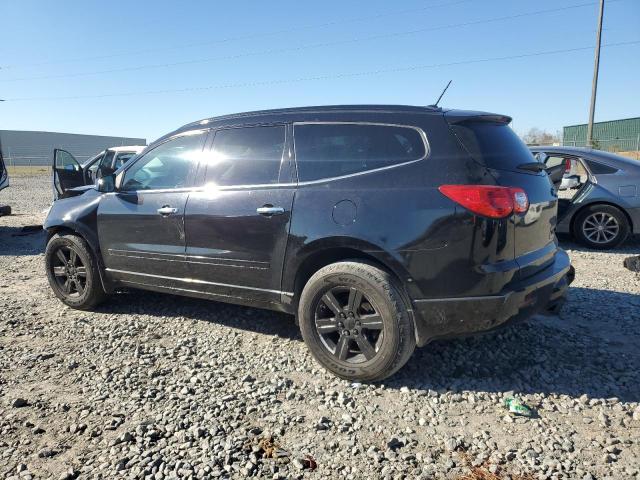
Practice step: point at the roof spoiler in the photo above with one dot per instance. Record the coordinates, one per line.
(457, 116)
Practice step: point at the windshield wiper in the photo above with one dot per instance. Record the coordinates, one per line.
(532, 166)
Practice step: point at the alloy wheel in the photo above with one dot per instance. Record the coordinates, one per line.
(600, 227)
(348, 324)
(69, 271)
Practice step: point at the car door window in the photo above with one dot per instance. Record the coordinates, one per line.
(599, 168)
(332, 150)
(245, 156)
(66, 161)
(93, 166)
(167, 166)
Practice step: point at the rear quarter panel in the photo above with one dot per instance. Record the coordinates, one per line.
(403, 220)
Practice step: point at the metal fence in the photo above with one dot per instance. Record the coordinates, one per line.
(629, 147)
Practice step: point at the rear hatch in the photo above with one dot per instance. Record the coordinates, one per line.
(492, 143)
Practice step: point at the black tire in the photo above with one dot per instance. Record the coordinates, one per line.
(75, 281)
(615, 227)
(380, 320)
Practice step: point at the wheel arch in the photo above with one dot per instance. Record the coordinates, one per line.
(92, 242)
(321, 253)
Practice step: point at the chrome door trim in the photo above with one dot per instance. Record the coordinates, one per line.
(197, 282)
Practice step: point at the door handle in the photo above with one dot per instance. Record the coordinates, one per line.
(166, 210)
(269, 210)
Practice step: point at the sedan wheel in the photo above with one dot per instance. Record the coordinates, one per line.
(600, 227)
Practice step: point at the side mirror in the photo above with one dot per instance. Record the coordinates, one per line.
(106, 184)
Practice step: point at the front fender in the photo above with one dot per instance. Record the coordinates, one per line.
(79, 215)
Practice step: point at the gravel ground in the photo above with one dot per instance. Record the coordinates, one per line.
(152, 386)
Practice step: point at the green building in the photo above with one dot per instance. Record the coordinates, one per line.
(614, 136)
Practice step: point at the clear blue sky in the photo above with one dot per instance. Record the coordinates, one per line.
(253, 43)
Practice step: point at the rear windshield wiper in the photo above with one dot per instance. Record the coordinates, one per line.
(532, 166)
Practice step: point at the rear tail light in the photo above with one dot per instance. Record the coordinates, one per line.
(488, 200)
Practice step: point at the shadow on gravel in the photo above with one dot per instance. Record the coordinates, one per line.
(591, 348)
(141, 302)
(21, 240)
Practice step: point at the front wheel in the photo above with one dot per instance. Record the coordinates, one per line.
(601, 226)
(72, 272)
(355, 321)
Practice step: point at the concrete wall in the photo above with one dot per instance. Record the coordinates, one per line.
(36, 148)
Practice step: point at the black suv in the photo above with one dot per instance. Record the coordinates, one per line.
(380, 227)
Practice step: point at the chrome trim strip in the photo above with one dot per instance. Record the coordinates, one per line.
(182, 255)
(197, 282)
(224, 265)
(188, 259)
(188, 290)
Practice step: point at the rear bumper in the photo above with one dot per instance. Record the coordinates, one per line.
(452, 317)
(634, 215)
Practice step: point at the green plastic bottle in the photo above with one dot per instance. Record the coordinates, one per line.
(517, 407)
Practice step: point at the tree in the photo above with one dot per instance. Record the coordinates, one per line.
(535, 136)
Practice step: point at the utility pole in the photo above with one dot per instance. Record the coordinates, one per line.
(594, 85)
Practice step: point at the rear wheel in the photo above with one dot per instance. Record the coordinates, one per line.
(355, 321)
(601, 226)
(72, 272)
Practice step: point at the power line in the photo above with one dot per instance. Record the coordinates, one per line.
(246, 37)
(302, 47)
(323, 77)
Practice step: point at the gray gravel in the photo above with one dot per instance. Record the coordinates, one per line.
(152, 386)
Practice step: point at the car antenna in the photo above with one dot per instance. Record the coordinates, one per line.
(435, 105)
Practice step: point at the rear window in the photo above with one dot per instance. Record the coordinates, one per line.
(599, 168)
(494, 145)
(333, 150)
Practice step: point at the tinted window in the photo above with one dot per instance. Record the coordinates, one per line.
(494, 145)
(325, 151)
(246, 156)
(599, 168)
(123, 158)
(107, 160)
(166, 166)
(96, 163)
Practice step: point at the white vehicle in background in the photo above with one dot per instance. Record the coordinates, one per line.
(69, 173)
